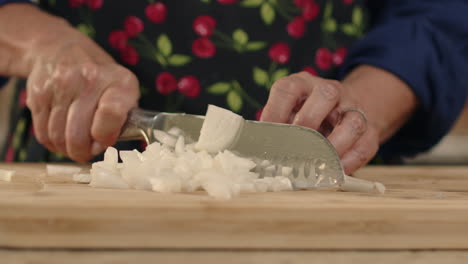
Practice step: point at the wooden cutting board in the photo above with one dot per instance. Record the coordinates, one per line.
(423, 208)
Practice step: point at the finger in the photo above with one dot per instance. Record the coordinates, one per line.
(285, 95)
(38, 101)
(77, 132)
(110, 117)
(347, 132)
(323, 99)
(361, 152)
(80, 115)
(64, 84)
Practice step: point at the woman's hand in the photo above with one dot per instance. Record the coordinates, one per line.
(356, 115)
(78, 95)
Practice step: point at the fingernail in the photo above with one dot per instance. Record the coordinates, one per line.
(96, 148)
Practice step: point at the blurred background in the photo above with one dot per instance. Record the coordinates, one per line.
(452, 150)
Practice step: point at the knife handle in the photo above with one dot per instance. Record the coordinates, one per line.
(139, 125)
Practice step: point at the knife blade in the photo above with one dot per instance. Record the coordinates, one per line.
(314, 161)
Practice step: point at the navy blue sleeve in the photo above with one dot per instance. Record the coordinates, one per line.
(425, 44)
(2, 2)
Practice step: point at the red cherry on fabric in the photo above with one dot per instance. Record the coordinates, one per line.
(203, 48)
(95, 4)
(204, 25)
(189, 86)
(129, 55)
(227, 2)
(339, 56)
(133, 26)
(296, 28)
(22, 98)
(10, 155)
(75, 3)
(323, 58)
(258, 114)
(310, 70)
(311, 11)
(166, 83)
(156, 12)
(301, 3)
(279, 53)
(118, 39)
(347, 2)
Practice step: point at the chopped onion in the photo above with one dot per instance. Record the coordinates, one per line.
(6, 175)
(171, 165)
(82, 178)
(352, 184)
(219, 130)
(164, 138)
(62, 170)
(175, 131)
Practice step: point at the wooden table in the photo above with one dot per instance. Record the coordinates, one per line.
(422, 218)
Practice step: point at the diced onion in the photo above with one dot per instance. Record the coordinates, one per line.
(170, 165)
(6, 175)
(62, 170)
(219, 130)
(82, 178)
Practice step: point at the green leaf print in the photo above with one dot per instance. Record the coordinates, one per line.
(349, 29)
(52, 2)
(20, 127)
(267, 13)
(255, 45)
(160, 59)
(22, 155)
(329, 25)
(86, 29)
(179, 60)
(328, 10)
(280, 73)
(206, 1)
(260, 76)
(234, 101)
(357, 16)
(240, 36)
(219, 88)
(164, 45)
(251, 3)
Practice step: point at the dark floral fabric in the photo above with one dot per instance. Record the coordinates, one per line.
(188, 54)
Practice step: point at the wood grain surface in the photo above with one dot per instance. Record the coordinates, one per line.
(424, 208)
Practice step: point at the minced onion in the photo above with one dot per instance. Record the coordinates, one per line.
(6, 175)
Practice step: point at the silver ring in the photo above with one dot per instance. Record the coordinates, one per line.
(357, 110)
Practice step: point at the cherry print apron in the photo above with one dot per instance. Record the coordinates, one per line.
(190, 53)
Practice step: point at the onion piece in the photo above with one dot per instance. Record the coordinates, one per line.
(105, 178)
(175, 131)
(61, 170)
(164, 138)
(6, 175)
(219, 130)
(352, 184)
(82, 178)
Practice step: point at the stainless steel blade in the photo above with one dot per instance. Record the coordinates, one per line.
(314, 160)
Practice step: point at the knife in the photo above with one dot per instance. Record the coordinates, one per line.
(314, 161)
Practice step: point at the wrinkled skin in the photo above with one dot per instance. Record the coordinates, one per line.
(79, 97)
(321, 104)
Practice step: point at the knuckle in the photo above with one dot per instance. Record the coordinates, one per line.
(90, 71)
(330, 91)
(287, 86)
(112, 109)
(357, 124)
